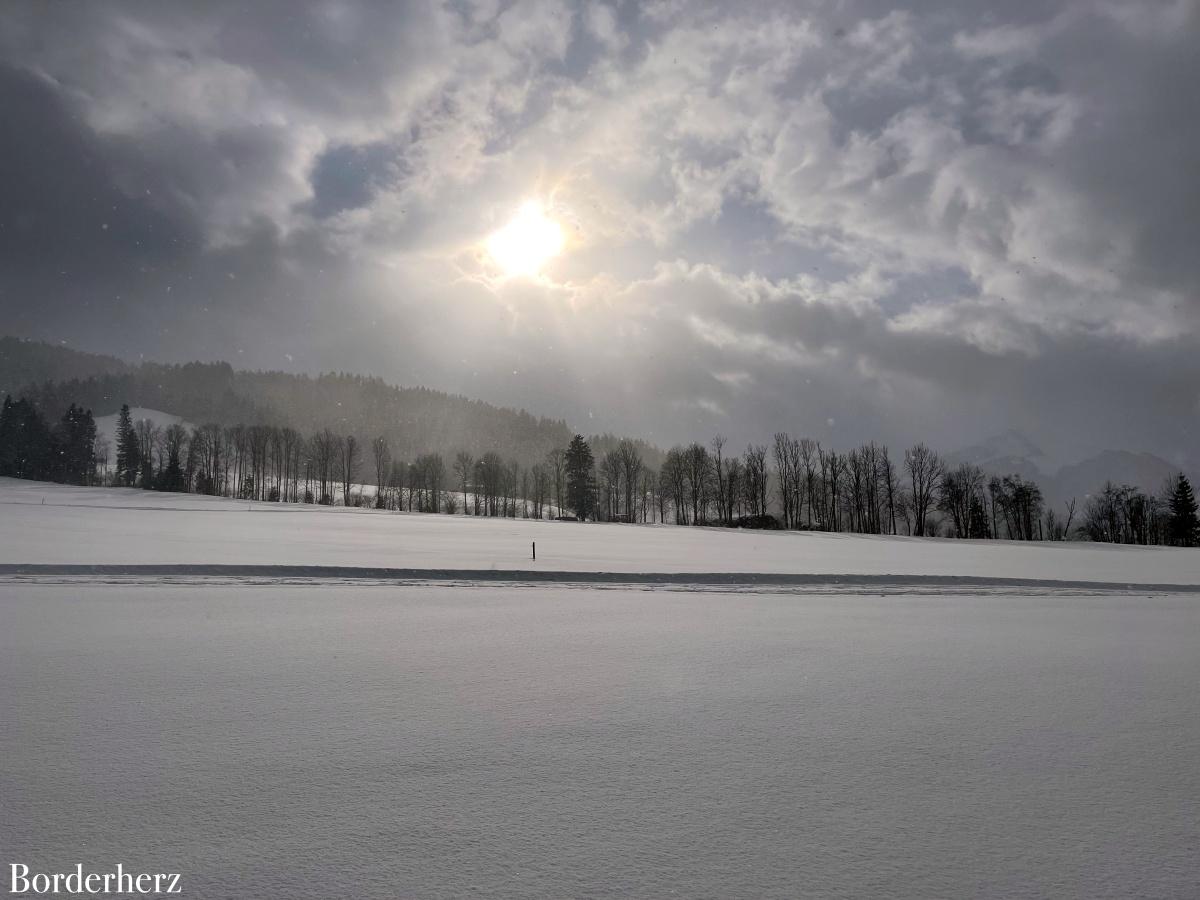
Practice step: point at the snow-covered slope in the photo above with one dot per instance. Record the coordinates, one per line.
(43, 523)
(106, 426)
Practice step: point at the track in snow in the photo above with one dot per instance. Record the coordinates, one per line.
(743, 580)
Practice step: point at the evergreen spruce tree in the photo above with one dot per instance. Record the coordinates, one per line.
(75, 461)
(8, 436)
(26, 445)
(172, 476)
(129, 451)
(977, 519)
(581, 478)
(1185, 525)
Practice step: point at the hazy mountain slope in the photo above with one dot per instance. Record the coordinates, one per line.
(1007, 445)
(1013, 453)
(198, 392)
(1007, 453)
(32, 362)
(1143, 470)
(415, 420)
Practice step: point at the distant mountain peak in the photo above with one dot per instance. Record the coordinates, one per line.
(1007, 445)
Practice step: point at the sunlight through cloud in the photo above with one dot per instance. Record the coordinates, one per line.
(527, 243)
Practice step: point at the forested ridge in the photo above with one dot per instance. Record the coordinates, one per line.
(415, 420)
(24, 363)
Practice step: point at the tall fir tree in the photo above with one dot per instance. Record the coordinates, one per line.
(171, 477)
(1185, 524)
(129, 451)
(75, 442)
(26, 444)
(8, 435)
(581, 477)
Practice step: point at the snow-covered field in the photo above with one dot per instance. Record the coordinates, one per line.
(310, 741)
(45, 523)
(288, 734)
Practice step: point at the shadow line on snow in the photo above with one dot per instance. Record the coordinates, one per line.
(533, 576)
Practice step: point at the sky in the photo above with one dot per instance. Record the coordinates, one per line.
(848, 220)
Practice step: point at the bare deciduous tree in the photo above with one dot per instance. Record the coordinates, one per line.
(383, 467)
(464, 467)
(347, 464)
(924, 471)
(630, 463)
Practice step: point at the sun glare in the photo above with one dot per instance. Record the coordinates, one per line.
(527, 243)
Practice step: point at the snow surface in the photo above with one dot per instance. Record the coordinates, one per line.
(339, 738)
(56, 524)
(312, 742)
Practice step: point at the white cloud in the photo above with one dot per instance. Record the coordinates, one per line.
(881, 197)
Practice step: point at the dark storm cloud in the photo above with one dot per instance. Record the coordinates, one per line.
(853, 219)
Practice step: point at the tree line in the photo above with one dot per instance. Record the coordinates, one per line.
(795, 483)
(32, 448)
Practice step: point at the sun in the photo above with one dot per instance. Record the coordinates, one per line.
(529, 241)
